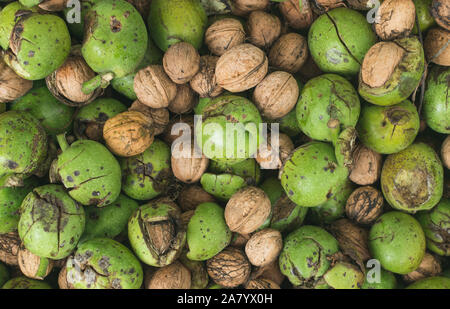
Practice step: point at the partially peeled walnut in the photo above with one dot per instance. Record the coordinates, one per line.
(12, 86)
(269, 157)
(429, 267)
(298, 17)
(440, 9)
(396, 20)
(437, 48)
(173, 276)
(33, 266)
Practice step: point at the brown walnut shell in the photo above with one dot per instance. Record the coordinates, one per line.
(153, 87)
(184, 101)
(289, 53)
(247, 210)
(9, 248)
(204, 82)
(223, 35)
(241, 68)
(440, 10)
(263, 284)
(272, 158)
(129, 133)
(173, 276)
(229, 268)
(62, 280)
(366, 167)
(181, 62)
(436, 46)
(271, 272)
(53, 5)
(429, 267)
(159, 116)
(361, 5)
(364, 205)
(264, 247)
(12, 86)
(193, 195)
(299, 18)
(276, 95)
(397, 18)
(29, 264)
(445, 152)
(263, 28)
(322, 6)
(244, 7)
(178, 126)
(188, 164)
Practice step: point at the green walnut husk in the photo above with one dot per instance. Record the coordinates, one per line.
(147, 175)
(412, 179)
(156, 233)
(302, 175)
(425, 19)
(115, 38)
(8, 20)
(173, 21)
(332, 209)
(24, 283)
(339, 39)
(4, 274)
(10, 200)
(207, 232)
(222, 180)
(344, 276)
(431, 283)
(388, 129)
(436, 225)
(386, 280)
(47, 31)
(53, 115)
(51, 222)
(125, 85)
(404, 79)
(23, 144)
(89, 182)
(288, 124)
(305, 255)
(199, 275)
(436, 109)
(397, 241)
(108, 221)
(327, 98)
(90, 119)
(229, 130)
(103, 263)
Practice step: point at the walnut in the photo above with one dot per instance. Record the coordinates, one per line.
(184, 100)
(9, 248)
(397, 19)
(239, 240)
(366, 167)
(244, 7)
(53, 5)
(181, 62)
(229, 268)
(264, 247)
(223, 35)
(159, 116)
(445, 152)
(241, 68)
(271, 272)
(188, 163)
(63, 284)
(364, 205)
(289, 53)
(32, 265)
(440, 10)
(263, 28)
(429, 267)
(12, 86)
(322, 6)
(129, 133)
(247, 210)
(193, 195)
(436, 46)
(273, 158)
(362, 5)
(261, 284)
(298, 17)
(153, 87)
(173, 276)
(276, 95)
(177, 127)
(204, 82)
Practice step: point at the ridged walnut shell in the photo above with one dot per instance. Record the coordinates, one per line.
(204, 82)
(366, 167)
(396, 19)
(247, 210)
(299, 18)
(223, 35)
(229, 268)
(184, 101)
(276, 95)
(244, 7)
(440, 10)
(429, 267)
(173, 276)
(269, 157)
(263, 28)
(263, 284)
(270, 272)
(289, 53)
(241, 68)
(181, 62)
(159, 116)
(188, 164)
(436, 46)
(153, 87)
(177, 125)
(129, 133)
(9, 248)
(364, 205)
(30, 265)
(445, 152)
(322, 6)
(264, 247)
(12, 86)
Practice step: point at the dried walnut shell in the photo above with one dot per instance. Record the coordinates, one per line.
(229, 268)
(12, 86)
(181, 62)
(436, 46)
(184, 100)
(440, 10)
(263, 28)
(205, 82)
(289, 53)
(30, 264)
(397, 19)
(244, 7)
(272, 158)
(298, 17)
(364, 205)
(9, 248)
(159, 116)
(366, 167)
(261, 284)
(188, 165)
(264, 247)
(429, 267)
(223, 35)
(173, 276)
